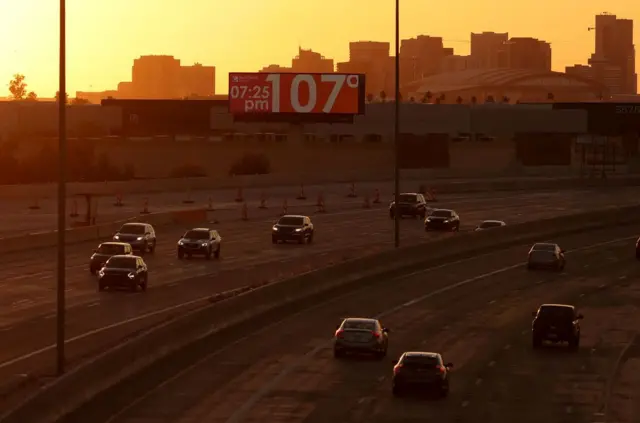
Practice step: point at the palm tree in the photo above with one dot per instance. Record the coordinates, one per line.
(459, 100)
(369, 98)
(550, 97)
(474, 100)
(490, 99)
(412, 99)
(442, 97)
(429, 96)
(383, 96)
(505, 99)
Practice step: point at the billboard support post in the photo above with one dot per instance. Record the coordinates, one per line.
(396, 134)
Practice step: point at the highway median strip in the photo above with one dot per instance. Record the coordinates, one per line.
(199, 331)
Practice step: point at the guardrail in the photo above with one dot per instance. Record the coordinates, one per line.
(197, 332)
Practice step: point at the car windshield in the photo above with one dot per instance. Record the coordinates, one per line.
(359, 324)
(553, 313)
(420, 360)
(441, 213)
(291, 220)
(408, 198)
(121, 263)
(544, 247)
(132, 229)
(112, 249)
(196, 235)
(489, 224)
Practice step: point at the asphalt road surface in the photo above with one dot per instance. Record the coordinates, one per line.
(476, 312)
(99, 320)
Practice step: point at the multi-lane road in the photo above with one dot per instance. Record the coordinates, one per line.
(476, 312)
(98, 320)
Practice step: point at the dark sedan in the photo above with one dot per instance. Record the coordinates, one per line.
(293, 228)
(105, 251)
(409, 204)
(638, 249)
(442, 220)
(124, 272)
(421, 370)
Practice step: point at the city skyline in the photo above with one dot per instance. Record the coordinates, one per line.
(99, 59)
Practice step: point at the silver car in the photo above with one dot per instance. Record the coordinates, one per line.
(490, 224)
(546, 255)
(361, 335)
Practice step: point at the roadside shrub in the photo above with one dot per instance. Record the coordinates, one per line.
(251, 164)
(188, 171)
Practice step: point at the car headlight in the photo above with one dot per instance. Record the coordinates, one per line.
(298, 229)
(116, 237)
(204, 244)
(275, 228)
(139, 238)
(101, 273)
(428, 219)
(181, 242)
(131, 275)
(445, 221)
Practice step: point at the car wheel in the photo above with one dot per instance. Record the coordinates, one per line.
(100, 287)
(143, 285)
(536, 342)
(574, 343)
(208, 254)
(391, 216)
(426, 229)
(380, 355)
(311, 238)
(396, 391)
(302, 240)
(217, 253)
(458, 228)
(152, 247)
(444, 391)
(180, 255)
(338, 353)
(93, 271)
(274, 240)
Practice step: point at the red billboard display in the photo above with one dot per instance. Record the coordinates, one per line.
(296, 93)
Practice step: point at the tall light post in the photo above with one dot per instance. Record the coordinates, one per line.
(62, 190)
(396, 134)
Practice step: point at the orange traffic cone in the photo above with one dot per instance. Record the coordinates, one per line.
(352, 190)
(210, 205)
(285, 207)
(188, 200)
(74, 209)
(320, 204)
(376, 197)
(263, 201)
(145, 207)
(245, 212)
(301, 195)
(239, 196)
(366, 204)
(118, 202)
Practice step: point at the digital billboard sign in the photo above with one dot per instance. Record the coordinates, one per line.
(296, 93)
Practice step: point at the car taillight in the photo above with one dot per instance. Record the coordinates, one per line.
(375, 334)
(339, 333)
(441, 368)
(397, 368)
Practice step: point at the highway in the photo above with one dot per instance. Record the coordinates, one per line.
(476, 312)
(98, 320)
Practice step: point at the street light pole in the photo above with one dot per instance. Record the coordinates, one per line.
(396, 134)
(62, 194)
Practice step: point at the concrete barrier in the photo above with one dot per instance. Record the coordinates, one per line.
(97, 232)
(195, 333)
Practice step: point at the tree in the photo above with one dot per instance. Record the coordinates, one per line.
(383, 96)
(66, 97)
(79, 101)
(412, 99)
(32, 96)
(369, 98)
(490, 99)
(506, 99)
(550, 97)
(17, 87)
(459, 100)
(474, 100)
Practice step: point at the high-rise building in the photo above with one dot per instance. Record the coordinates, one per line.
(368, 51)
(370, 58)
(198, 80)
(275, 69)
(421, 57)
(156, 77)
(528, 53)
(488, 49)
(308, 61)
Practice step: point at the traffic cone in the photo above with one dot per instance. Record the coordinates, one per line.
(320, 204)
(210, 205)
(245, 212)
(118, 202)
(301, 195)
(74, 209)
(263, 201)
(432, 192)
(376, 196)
(239, 196)
(285, 207)
(366, 204)
(188, 200)
(145, 207)
(35, 205)
(352, 190)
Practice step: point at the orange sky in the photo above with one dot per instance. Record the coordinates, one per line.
(104, 36)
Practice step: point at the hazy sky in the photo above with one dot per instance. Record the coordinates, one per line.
(104, 36)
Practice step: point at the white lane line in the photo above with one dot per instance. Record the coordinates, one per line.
(21, 302)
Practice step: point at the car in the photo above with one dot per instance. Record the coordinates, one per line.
(490, 224)
(409, 204)
(556, 323)
(291, 227)
(128, 272)
(416, 369)
(200, 241)
(638, 249)
(361, 335)
(442, 220)
(546, 255)
(105, 251)
(141, 236)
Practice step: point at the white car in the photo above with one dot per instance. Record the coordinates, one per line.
(490, 224)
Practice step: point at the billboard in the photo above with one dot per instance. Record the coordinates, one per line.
(296, 93)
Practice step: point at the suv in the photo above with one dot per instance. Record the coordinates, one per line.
(200, 241)
(556, 323)
(293, 228)
(141, 236)
(105, 251)
(127, 272)
(546, 255)
(409, 204)
(442, 220)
